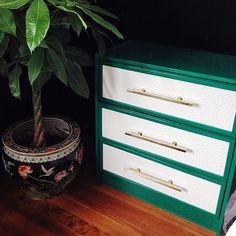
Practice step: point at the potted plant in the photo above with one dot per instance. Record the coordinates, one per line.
(44, 153)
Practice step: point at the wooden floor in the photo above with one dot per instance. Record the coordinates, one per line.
(86, 209)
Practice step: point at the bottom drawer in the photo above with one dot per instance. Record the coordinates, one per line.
(177, 184)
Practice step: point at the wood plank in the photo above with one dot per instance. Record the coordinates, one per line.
(54, 219)
(154, 211)
(105, 223)
(9, 230)
(88, 209)
(125, 213)
(19, 223)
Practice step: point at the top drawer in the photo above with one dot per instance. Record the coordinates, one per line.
(210, 106)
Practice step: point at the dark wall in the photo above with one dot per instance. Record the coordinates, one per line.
(200, 24)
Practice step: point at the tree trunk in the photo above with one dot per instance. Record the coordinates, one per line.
(39, 132)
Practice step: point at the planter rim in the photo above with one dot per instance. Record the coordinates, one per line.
(67, 145)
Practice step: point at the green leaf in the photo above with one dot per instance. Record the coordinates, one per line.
(56, 65)
(57, 2)
(14, 82)
(4, 45)
(75, 2)
(99, 10)
(41, 80)
(7, 22)
(35, 64)
(98, 19)
(58, 48)
(3, 68)
(24, 54)
(13, 4)
(60, 20)
(61, 35)
(97, 35)
(76, 79)
(37, 23)
(75, 23)
(2, 34)
(70, 10)
(43, 44)
(80, 56)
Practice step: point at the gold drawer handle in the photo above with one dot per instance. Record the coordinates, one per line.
(172, 145)
(178, 100)
(169, 183)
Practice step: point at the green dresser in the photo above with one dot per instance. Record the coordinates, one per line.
(165, 128)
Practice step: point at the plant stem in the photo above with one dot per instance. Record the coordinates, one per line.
(39, 131)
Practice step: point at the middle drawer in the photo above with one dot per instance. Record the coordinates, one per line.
(205, 153)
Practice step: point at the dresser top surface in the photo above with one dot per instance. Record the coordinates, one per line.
(213, 66)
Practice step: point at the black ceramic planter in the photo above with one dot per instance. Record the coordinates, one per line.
(43, 172)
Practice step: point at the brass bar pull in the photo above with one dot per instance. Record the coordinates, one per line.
(172, 145)
(178, 100)
(167, 183)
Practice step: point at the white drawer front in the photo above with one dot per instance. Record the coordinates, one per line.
(212, 106)
(195, 191)
(203, 152)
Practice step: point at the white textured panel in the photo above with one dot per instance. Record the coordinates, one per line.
(216, 107)
(205, 153)
(197, 192)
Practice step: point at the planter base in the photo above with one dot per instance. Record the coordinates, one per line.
(43, 172)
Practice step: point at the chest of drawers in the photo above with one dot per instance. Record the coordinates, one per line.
(165, 122)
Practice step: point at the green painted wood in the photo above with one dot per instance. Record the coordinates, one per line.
(198, 67)
(201, 64)
(154, 157)
(160, 200)
(146, 155)
(172, 118)
(180, 126)
(217, 84)
(132, 112)
(168, 162)
(176, 76)
(98, 126)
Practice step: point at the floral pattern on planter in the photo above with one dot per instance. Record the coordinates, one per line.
(50, 176)
(60, 175)
(24, 171)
